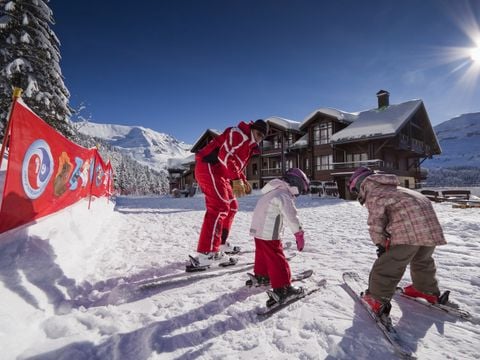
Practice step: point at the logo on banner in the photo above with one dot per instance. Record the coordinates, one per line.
(37, 168)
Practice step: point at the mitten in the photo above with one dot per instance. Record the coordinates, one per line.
(300, 239)
(248, 188)
(238, 188)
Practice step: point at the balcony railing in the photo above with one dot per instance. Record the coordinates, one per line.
(272, 172)
(376, 163)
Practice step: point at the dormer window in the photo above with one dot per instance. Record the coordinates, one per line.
(322, 133)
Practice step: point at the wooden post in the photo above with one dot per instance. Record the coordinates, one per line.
(17, 93)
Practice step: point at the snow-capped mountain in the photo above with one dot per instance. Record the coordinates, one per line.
(146, 146)
(460, 142)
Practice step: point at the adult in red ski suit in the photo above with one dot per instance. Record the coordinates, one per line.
(219, 163)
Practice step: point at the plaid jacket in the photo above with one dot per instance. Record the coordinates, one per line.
(406, 216)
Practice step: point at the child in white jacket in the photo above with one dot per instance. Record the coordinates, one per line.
(274, 208)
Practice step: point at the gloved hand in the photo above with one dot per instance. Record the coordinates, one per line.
(248, 188)
(380, 250)
(383, 247)
(238, 188)
(300, 239)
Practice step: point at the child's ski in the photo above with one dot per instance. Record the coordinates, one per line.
(355, 287)
(269, 311)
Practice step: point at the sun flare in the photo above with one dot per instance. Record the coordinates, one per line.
(475, 54)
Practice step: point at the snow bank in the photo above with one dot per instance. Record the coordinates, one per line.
(68, 290)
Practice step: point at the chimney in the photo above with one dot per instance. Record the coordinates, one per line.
(383, 98)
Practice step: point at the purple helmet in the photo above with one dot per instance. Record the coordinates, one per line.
(357, 178)
(296, 177)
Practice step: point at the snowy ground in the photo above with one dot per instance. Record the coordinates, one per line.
(67, 288)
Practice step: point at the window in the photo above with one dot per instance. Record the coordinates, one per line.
(324, 162)
(357, 159)
(255, 169)
(307, 164)
(290, 139)
(288, 164)
(322, 133)
(276, 143)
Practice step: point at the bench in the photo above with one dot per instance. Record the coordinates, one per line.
(456, 194)
(432, 195)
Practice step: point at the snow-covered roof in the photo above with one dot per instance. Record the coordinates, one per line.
(283, 123)
(377, 123)
(340, 115)
(300, 143)
(188, 160)
(205, 133)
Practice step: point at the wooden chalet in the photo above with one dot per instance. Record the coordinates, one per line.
(329, 144)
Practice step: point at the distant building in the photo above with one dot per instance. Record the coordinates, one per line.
(329, 144)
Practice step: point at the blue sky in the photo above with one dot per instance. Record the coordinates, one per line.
(182, 66)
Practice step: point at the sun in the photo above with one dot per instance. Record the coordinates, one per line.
(475, 54)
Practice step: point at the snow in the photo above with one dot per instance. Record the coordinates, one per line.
(459, 139)
(377, 122)
(89, 260)
(283, 123)
(146, 146)
(340, 115)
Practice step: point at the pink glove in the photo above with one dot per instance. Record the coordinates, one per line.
(300, 239)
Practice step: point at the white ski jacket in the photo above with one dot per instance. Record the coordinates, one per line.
(274, 207)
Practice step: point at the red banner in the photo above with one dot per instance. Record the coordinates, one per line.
(46, 172)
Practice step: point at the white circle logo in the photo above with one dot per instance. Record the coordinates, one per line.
(37, 168)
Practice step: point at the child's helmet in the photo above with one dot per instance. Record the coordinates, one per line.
(296, 177)
(357, 178)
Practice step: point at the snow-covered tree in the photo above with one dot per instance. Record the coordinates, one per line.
(29, 59)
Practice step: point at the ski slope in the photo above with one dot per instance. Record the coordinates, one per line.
(67, 288)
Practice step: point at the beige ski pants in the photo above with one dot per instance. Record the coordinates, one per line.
(389, 268)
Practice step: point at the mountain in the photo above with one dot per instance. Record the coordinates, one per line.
(460, 142)
(146, 146)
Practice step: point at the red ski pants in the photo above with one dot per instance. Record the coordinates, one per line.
(270, 261)
(220, 203)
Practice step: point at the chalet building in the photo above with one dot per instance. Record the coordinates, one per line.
(329, 144)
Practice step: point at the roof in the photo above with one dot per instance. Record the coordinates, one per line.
(206, 133)
(300, 143)
(283, 123)
(378, 123)
(341, 116)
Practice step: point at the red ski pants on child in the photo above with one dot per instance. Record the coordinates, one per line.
(220, 203)
(270, 261)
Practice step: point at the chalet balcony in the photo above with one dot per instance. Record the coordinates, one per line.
(414, 145)
(375, 163)
(273, 172)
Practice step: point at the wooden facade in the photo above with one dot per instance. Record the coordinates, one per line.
(329, 144)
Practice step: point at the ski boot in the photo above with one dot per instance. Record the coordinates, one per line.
(229, 249)
(377, 306)
(257, 280)
(283, 294)
(412, 292)
(203, 260)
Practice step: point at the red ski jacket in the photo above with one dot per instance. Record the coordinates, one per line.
(232, 150)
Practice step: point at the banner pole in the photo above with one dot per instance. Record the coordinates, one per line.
(93, 177)
(17, 93)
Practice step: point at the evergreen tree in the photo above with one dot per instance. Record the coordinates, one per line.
(29, 59)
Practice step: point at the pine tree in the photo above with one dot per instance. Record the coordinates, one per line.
(29, 59)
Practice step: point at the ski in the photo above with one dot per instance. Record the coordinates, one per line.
(355, 286)
(269, 311)
(441, 307)
(229, 262)
(297, 277)
(235, 250)
(217, 270)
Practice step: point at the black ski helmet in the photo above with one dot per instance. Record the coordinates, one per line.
(296, 177)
